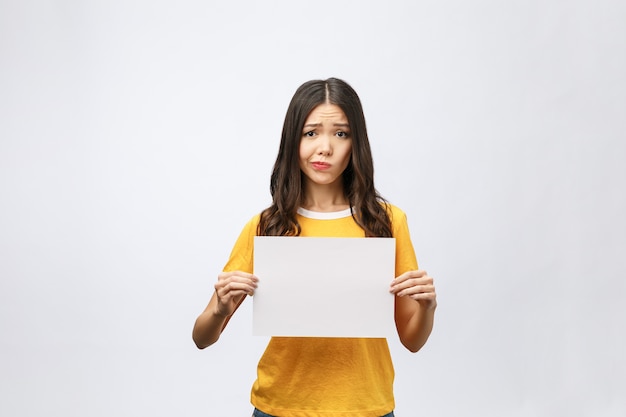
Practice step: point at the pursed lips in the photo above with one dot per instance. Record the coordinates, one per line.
(320, 165)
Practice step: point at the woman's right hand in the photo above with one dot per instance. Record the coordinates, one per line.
(230, 288)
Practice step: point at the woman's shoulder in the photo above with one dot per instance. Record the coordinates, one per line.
(393, 211)
(398, 219)
(254, 220)
(250, 227)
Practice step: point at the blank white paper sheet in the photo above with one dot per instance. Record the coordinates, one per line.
(323, 287)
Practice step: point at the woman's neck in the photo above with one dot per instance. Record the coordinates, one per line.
(324, 198)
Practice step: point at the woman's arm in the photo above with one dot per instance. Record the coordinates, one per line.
(415, 304)
(230, 291)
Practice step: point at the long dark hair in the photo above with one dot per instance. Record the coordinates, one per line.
(369, 209)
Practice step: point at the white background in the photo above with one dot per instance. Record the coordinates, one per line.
(137, 137)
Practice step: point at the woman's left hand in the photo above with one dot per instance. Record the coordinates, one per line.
(417, 285)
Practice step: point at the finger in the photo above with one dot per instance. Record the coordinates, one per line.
(416, 290)
(224, 276)
(418, 273)
(429, 300)
(397, 287)
(225, 289)
(247, 280)
(233, 295)
(236, 282)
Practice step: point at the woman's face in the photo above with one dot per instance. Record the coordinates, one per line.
(326, 145)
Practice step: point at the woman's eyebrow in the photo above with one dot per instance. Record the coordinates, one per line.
(320, 124)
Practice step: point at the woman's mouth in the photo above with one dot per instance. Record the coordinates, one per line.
(320, 166)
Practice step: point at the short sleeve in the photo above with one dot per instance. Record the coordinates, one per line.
(242, 256)
(405, 254)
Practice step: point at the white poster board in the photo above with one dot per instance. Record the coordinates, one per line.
(324, 287)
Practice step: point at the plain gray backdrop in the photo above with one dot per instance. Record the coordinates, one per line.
(137, 138)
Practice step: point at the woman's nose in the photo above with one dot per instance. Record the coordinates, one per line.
(324, 147)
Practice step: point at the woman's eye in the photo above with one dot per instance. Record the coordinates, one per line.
(342, 134)
(309, 134)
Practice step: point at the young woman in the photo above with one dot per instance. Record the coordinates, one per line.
(323, 185)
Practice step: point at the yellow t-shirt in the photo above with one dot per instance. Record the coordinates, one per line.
(322, 377)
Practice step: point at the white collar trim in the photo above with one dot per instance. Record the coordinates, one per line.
(319, 215)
